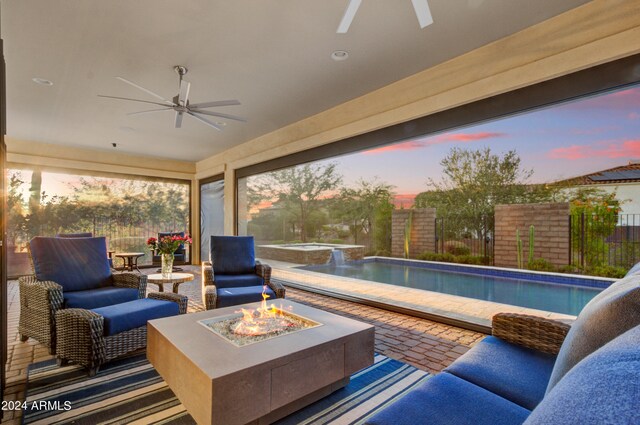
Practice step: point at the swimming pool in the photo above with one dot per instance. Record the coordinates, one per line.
(544, 291)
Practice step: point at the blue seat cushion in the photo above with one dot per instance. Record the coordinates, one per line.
(76, 264)
(234, 296)
(134, 314)
(101, 297)
(516, 373)
(237, 280)
(609, 314)
(232, 254)
(604, 388)
(446, 399)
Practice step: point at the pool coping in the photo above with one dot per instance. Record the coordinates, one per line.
(459, 311)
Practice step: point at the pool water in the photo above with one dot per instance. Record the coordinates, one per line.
(556, 297)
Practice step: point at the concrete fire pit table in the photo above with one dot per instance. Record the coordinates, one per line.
(222, 383)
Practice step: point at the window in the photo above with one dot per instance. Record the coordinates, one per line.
(126, 210)
(346, 192)
(211, 212)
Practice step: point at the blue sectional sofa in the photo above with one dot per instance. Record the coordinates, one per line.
(534, 370)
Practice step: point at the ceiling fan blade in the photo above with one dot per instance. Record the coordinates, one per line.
(134, 100)
(183, 96)
(221, 115)
(422, 12)
(214, 103)
(179, 119)
(157, 96)
(205, 121)
(150, 111)
(349, 14)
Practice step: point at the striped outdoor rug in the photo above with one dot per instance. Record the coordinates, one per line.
(129, 391)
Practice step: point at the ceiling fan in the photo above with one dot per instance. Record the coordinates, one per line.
(420, 6)
(180, 103)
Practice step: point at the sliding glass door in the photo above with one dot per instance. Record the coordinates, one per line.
(211, 212)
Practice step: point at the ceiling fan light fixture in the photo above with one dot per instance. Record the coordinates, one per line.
(42, 81)
(340, 55)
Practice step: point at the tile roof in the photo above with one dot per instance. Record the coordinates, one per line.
(629, 173)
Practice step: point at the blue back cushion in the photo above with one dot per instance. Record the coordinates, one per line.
(232, 255)
(604, 388)
(608, 315)
(75, 235)
(76, 263)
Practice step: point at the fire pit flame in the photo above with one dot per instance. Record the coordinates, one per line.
(265, 320)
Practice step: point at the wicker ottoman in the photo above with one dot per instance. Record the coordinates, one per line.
(93, 337)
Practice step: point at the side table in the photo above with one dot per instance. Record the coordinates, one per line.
(176, 279)
(130, 260)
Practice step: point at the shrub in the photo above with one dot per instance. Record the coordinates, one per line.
(607, 271)
(456, 248)
(541, 265)
(570, 268)
(449, 258)
(382, 253)
(432, 256)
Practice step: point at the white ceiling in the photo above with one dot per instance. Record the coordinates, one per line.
(272, 55)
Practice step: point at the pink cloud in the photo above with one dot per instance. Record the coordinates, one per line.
(633, 116)
(626, 149)
(436, 140)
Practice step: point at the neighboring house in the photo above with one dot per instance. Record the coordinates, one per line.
(624, 180)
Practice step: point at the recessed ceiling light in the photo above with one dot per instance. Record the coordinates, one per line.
(339, 55)
(221, 124)
(42, 81)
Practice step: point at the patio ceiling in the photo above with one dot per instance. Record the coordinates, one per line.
(272, 55)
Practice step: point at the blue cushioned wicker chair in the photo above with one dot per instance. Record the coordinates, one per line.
(70, 273)
(233, 276)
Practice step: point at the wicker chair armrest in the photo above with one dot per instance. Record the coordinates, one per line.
(264, 271)
(44, 295)
(181, 300)
(277, 287)
(207, 273)
(534, 332)
(131, 280)
(80, 336)
(209, 296)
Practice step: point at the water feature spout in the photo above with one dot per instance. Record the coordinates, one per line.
(337, 257)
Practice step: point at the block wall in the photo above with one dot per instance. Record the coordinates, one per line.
(423, 237)
(551, 236)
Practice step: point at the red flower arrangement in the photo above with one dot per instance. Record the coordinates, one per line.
(168, 244)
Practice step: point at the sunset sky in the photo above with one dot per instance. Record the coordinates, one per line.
(564, 141)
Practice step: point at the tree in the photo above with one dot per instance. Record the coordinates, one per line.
(474, 182)
(367, 208)
(298, 189)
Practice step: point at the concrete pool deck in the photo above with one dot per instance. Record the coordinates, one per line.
(459, 311)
